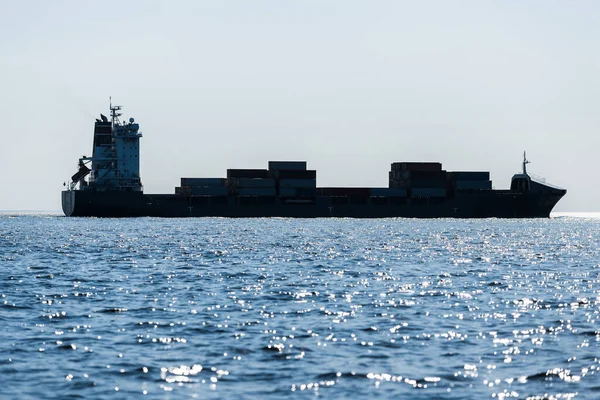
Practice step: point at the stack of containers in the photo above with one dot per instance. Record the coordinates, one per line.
(250, 182)
(293, 179)
(470, 180)
(202, 187)
(422, 179)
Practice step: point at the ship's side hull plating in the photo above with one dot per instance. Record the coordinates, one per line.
(477, 204)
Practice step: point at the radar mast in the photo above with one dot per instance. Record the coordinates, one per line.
(525, 162)
(114, 113)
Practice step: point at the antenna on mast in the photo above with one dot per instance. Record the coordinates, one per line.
(525, 162)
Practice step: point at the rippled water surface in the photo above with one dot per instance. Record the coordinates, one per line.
(273, 308)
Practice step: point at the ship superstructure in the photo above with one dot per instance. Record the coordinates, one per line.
(115, 160)
(108, 184)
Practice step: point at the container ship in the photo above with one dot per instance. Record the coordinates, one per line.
(108, 184)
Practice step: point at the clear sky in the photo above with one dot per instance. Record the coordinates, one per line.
(349, 86)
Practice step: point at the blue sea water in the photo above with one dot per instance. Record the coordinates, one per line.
(294, 308)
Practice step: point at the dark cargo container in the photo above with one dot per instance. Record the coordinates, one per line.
(256, 191)
(427, 175)
(292, 174)
(208, 191)
(480, 185)
(203, 181)
(405, 184)
(287, 165)
(427, 183)
(417, 174)
(252, 182)
(428, 192)
(416, 166)
(183, 190)
(247, 173)
(298, 183)
(470, 175)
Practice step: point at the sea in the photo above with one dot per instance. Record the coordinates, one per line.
(216, 308)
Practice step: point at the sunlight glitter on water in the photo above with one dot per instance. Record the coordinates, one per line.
(465, 309)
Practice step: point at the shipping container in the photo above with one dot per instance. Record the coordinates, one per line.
(287, 165)
(290, 174)
(481, 185)
(395, 192)
(416, 166)
(208, 191)
(405, 184)
(399, 174)
(203, 181)
(428, 192)
(183, 190)
(298, 183)
(256, 191)
(410, 175)
(427, 175)
(427, 183)
(247, 173)
(470, 175)
(252, 183)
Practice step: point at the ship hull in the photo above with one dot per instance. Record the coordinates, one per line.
(475, 204)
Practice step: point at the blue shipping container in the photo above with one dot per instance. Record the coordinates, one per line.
(256, 192)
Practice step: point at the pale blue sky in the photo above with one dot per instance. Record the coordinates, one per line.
(349, 86)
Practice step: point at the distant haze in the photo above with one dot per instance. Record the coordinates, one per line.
(348, 86)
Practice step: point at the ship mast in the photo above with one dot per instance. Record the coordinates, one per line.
(114, 114)
(525, 162)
